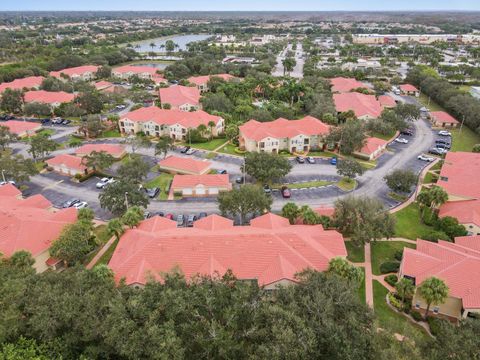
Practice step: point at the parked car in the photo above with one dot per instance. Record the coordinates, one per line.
(239, 180)
(70, 203)
(66, 122)
(147, 215)
(180, 220)
(425, 158)
(310, 160)
(8, 182)
(185, 149)
(286, 193)
(267, 189)
(436, 151)
(407, 132)
(333, 161)
(80, 205)
(444, 133)
(57, 120)
(300, 159)
(202, 215)
(443, 141)
(45, 121)
(104, 182)
(153, 192)
(445, 146)
(221, 171)
(191, 151)
(160, 213)
(191, 219)
(401, 140)
(169, 216)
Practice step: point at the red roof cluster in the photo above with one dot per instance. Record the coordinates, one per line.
(372, 144)
(269, 250)
(27, 224)
(30, 82)
(136, 69)
(207, 180)
(283, 128)
(19, 127)
(48, 97)
(75, 71)
(187, 165)
(179, 95)
(458, 264)
(67, 160)
(104, 85)
(443, 117)
(460, 175)
(188, 119)
(360, 104)
(201, 80)
(342, 84)
(112, 149)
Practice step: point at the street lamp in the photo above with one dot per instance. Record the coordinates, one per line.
(126, 199)
(3, 176)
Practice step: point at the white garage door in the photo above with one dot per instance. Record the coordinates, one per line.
(187, 191)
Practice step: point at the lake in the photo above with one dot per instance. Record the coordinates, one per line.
(181, 40)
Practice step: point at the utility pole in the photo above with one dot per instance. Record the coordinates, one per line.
(461, 125)
(126, 199)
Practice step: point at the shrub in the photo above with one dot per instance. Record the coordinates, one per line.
(434, 324)
(389, 266)
(391, 279)
(397, 304)
(429, 217)
(416, 316)
(434, 235)
(239, 151)
(476, 148)
(398, 255)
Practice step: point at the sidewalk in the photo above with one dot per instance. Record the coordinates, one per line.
(102, 251)
(368, 277)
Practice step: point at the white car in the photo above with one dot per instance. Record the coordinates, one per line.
(401, 140)
(8, 182)
(104, 182)
(80, 205)
(191, 151)
(444, 133)
(425, 158)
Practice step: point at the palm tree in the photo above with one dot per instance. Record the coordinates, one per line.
(405, 289)
(152, 45)
(211, 125)
(115, 228)
(201, 129)
(434, 291)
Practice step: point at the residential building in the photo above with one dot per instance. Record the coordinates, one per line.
(186, 166)
(362, 65)
(116, 150)
(180, 97)
(30, 224)
(22, 128)
(201, 82)
(85, 73)
(408, 89)
(105, 86)
(51, 98)
(70, 165)
(457, 264)
(467, 213)
(282, 134)
(143, 72)
(31, 82)
(343, 85)
(443, 119)
(387, 101)
(372, 149)
(269, 251)
(364, 106)
(200, 185)
(154, 121)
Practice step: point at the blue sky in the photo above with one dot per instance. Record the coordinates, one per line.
(231, 5)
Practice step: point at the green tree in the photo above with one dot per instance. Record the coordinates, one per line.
(115, 196)
(248, 199)
(169, 46)
(164, 145)
(22, 260)
(434, 291)
(450, 226)
(476, 148)
(41, 145)
(309, 217)
(432, 197)
(290, 211)
(132, 216)
(405, 289)
(16, 167)
(6, 137)
(349, 168)
(11, 101)
(289, 64)
(344, 269)
(265, 167)
(37, 109)
(90, 101)
(23, 349)
(115, 228)
(138, 141)
(350, 136)
(93, 127)
(401, 180)
(231, 132)
(134, 169)
(87, 215)
(74, 243)
(98, 160)
(104, 72)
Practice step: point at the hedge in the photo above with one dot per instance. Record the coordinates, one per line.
(391, 279)
(389, 267)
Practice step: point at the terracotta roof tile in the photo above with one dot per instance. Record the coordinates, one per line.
(187, 165)
(19, 127)
(207, 180)
(372, 144)
(179, 95)
(75, 71)
(202, 80)
(112, 149)
(360, 104)
(459, 174)
(48, 97)
(69, 161)
(341, 84)
(19, 84)
(443, 117)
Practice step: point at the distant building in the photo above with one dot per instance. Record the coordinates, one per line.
(186, 166)
(51, 98)
(408, 89)
(201, 82)
(373, 148)
(380, 39)
(22, 128)
(200, 185)
(31, 82)
(85, 73)
(342, 84)
(184, 98)
(443, 119)
(143, 72)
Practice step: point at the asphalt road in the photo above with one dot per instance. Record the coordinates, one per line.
(297, 72)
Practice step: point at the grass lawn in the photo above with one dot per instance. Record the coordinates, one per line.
(437, 166)
(230, 149)
(383, 137)
(464, 88)
(111, 134)
(393, 321)
(430, 178)
(102, 236)
(209, 145)
(161, 182)
(321, 153)
(47, 132)
(409, 224)
(397, 197)
(361, 289)
(307, 184)
(355, 253)
(432, 106)
(40, 165)
(347, 184)
(464, 141)
(383, 251)
(105, 258)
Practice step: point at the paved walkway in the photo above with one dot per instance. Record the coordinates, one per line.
(368, 276)
(102, 251)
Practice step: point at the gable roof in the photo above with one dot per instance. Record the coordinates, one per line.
(408, 88)
(112, 149)
(283, 128)
(443, 117)
(213, 245)
(342, 84)
(187, 119)
(178, 95)
(67, 160)
(360, 104)
(372, 144)
(456, 264)
(387, 101)
(201, 80)
(207, 180)
(18, 127)
(103, 85)
(135, 69)
(48, 97)
(467, 212)
(459, 174)
(19, 84)
(185, 164)
(75, 71)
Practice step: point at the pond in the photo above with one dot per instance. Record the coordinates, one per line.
(180, 40)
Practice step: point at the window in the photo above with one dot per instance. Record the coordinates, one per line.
(443, 178)
(306, 141)
(262, 145)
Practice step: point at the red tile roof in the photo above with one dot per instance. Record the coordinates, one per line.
(443, 117)
(283, 128)
(102, 85)
(19, 127)
(361, 104)
(179, 95)
(269, 250)
(341, 84)
(387, 101)
(457, 264)
(372, 144)
(467, 212)
(9, 190)
(182, 164)
(75, 71)
(112, 149)
(48, 97)
(207, 180)
(69, 161)
(471, 242)
(187, 119)
(460, 174)
(408, 88)
(28, 225)
(19, 84)
(201, 80)
(135, 69)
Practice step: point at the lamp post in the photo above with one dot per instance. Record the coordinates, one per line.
(3, 176)
(126, 199)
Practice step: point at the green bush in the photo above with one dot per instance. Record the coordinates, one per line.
(398, 255)
(389, 267)
(239, 151)
(476, 148)
(416, 316)
(434, 236)
(397, 304)
(429, 217)
(434, 324)
(391, 279)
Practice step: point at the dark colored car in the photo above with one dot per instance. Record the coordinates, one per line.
(160, 213)
(300, 159)
(221, 171)
(407, 132)
(286, 193)
(190, 220)
(435, 151)
(202, 215)
(45, 121)
(333, 161)
(180, 220)
(70, 203)
(153, 192)
(185, 149)
(442, 141)
(443, 146)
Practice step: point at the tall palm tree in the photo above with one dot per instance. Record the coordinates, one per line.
(434, 291)
(405, 289)
(152, 45)
(115, 228)
(211, 125)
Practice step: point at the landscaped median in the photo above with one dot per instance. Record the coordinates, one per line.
(162, 181)
(304, 185)
(347, 184)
